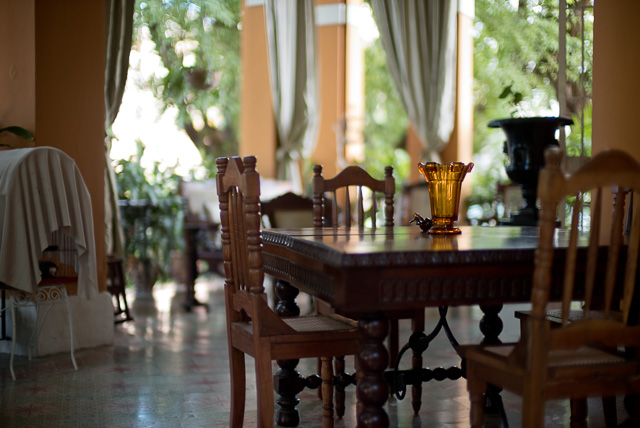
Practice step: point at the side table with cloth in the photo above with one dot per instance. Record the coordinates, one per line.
(42, 193)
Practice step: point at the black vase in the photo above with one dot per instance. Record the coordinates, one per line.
(527, 139)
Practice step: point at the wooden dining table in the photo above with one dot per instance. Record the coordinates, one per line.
(376, 270)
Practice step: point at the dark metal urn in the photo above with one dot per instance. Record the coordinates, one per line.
(527, 139)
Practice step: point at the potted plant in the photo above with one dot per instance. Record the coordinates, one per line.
(527, 139)
(152, 218)
(14, 137)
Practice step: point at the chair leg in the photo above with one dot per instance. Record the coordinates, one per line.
(339, 388)
(610, 412)
(68, 305)
(12, 303)
(319, 371)
(327, 392)
(579, 412)
(532, 410)
(264, 385)
(635, 410)
(238, 387)
(417, 325)
(476, 398)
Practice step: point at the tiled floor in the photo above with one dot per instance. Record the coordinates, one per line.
(169, 369)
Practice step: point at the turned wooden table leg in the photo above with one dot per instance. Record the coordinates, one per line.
(491, 326)
(417, 325)
(372, 390)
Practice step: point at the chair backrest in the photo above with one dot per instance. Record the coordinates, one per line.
(288, 210)
(341, 214)
(238, 185)
(609, 275)
(200, 200)
(415, 199)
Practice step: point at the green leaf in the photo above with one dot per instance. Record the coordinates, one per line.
(20, 132)
(505, 92)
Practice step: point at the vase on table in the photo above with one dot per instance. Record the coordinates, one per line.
(445, 182)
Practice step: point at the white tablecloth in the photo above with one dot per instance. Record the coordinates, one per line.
(42, 191)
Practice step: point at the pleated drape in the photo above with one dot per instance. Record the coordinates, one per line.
(291, 41)
(420, 40)
(119, 31)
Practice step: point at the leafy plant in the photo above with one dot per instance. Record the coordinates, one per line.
(516, 68)
(198, 44)
(385, 123)
(152, 214)
(20, 132)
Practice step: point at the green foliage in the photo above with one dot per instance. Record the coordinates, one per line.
(198, 42)
(516, 74)
(385, 121)
(20, 132)
(152, 216)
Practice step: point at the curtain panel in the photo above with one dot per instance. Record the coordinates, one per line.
(118, 38)
(291, 42)
(419, 38)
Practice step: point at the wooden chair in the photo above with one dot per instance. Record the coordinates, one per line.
(328, 212)
(116, 286)
(288, 210)
(58, 268)
(415, 199)
(252, 327)
(201, 228)
(590, 356)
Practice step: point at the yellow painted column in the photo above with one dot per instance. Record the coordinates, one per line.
(616, 88)
(460, 147)
(258, 133)
(69, 95)
(341, 86)
(331, 36)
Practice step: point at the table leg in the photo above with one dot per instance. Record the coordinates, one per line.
(372, 390)
(491, 326)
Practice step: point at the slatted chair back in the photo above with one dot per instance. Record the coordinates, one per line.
(580, 354)
(288, 210)
(340, 214)
(585, 334)
(238, 185)
(612, 174)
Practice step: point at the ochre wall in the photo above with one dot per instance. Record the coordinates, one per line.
(70, 40)
(257, 126)
(258, 134)
(17, 64)
(616, 86)
(52, 83)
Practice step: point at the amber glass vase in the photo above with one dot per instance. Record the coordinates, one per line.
(444, 183)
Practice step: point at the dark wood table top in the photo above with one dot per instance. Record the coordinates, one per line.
(403, 267)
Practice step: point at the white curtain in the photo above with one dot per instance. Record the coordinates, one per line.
(291, 42)
(119, 31)
(420, 38)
